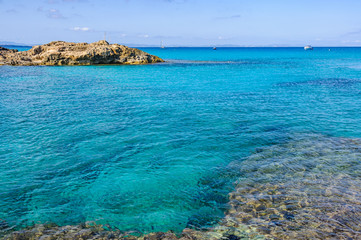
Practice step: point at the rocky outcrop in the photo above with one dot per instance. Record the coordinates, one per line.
(66, 53)
(7, 50)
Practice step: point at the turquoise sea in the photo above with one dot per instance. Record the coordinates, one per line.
(160, 147)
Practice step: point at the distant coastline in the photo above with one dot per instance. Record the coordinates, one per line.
(11, 46)
(15, 45)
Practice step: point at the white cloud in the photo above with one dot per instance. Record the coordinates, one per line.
(55, 14)
(83, 29)
(51, 13)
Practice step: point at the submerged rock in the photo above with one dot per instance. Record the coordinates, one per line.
(67, 53)
(93, 231)
(307, 188)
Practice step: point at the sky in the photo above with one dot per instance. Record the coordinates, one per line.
(184, 22)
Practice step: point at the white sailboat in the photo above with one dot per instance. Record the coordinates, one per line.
(161, 44)
(308, 47)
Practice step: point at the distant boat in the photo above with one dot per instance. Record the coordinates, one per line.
(308, 47)
(161, 44)
(214, 48)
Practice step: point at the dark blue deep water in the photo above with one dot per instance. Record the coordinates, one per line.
(154, 147)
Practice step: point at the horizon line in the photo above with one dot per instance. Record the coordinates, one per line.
(202, 46)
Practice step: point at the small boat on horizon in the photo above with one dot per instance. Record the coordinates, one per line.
(214, 48)
(161, 44)
(308, 47)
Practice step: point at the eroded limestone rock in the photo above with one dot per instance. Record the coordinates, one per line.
(67, 53)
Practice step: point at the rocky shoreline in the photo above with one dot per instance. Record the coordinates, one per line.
(66, 53)
(94, 231)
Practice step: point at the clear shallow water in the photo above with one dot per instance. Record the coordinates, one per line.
(153, 148)
(306, 188)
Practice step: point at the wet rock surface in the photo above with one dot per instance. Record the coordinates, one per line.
(66, 53)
